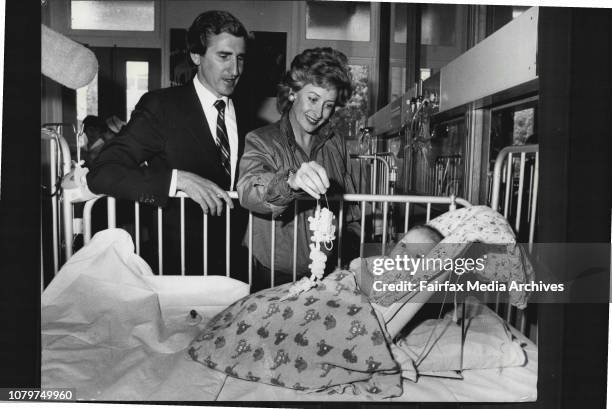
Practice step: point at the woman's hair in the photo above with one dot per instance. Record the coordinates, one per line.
(209, 23)
(323, 67)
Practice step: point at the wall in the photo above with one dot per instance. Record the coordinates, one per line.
(255, 15)
(261, 15)
(437, 56)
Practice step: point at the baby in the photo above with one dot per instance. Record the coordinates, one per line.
(417, 241)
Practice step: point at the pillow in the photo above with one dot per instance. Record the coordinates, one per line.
(323, 339)
(435, 345)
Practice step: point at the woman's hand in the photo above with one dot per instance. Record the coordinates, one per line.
(311, 178)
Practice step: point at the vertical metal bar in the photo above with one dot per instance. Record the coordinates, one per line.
(509, 313)
(227, 240)
(340, 225)
(111, 212)
(384, 231)
(42, 264)
(530, 192)
(463, 334)
(362, 232)
(385, 166)
(534, 202)
(453, 203)
(375, 181)
(160, 247)
(508, 184)
(453, 177)
(205, 244)
(437, 176)
(137, 226)
(295, 225)
(272, 249)
(67, 215)
(406, 216)
(497, 302)
(54, 210)
(519, 200)
(428, 217)
(522, 321)
(182, 199)
(87, 220)
(250, 248)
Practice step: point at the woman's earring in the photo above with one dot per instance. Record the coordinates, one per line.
(291, 98)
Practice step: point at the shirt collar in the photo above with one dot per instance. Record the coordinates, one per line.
(207, 98)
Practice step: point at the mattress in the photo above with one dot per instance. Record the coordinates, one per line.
(142, 357)
(121, 334)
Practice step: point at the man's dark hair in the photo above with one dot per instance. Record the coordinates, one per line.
(94, 122)
(209, 23)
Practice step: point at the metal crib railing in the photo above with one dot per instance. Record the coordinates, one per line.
(362, 200)
(509, 172)
(58, 157)
(509, 185)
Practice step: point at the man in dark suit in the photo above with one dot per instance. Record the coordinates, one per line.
(185, 139)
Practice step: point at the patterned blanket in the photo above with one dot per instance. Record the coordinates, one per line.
(327, 339)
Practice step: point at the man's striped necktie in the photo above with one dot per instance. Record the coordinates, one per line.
(222, 139)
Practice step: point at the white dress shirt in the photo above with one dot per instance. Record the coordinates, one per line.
(207, 101)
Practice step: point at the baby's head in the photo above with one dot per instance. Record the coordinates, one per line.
(421, 239)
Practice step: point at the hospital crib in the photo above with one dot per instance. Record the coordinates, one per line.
(513, 192)
(514, 188)
(67, 225)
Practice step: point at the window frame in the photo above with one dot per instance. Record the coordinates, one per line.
(84, 33)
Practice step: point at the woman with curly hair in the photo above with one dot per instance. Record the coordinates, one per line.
(299, 156)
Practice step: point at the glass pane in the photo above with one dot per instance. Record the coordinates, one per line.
(349, 21)
(87, 99)
(136, 83)
(348, 119)
(514, 125)
(113, 15)
(400, 30)
(398, 82)
(438, 24)
(523, 126)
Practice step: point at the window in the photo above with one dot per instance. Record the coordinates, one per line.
(400, 29)
(398, 82)
(342, 20)
(136, 83)
(112, 15)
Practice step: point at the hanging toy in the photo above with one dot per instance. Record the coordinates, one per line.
(322, 226)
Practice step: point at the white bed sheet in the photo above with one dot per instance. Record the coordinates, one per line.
(122, 334)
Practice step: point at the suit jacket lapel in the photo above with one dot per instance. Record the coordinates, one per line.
(195, 120)
(241, 125)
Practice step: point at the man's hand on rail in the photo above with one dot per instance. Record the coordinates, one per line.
(206, 193)
(311, 178)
